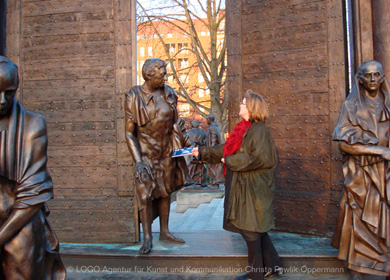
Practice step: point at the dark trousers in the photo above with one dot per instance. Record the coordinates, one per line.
(262, 255)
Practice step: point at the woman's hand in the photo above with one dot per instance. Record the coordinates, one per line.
(223, 160)
(195, 151)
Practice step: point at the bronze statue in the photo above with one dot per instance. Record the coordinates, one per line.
(29, 247)
(196, 168)
(153, 131)
(362, 233)
(214, 171)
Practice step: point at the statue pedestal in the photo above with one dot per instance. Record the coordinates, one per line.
(192, 197)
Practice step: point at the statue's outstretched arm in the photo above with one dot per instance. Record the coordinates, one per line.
(360, 149)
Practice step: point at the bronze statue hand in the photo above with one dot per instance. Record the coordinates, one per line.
(142, 172)
(386, 153)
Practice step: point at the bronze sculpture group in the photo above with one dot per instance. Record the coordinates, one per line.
(153, 131)
(363, 133)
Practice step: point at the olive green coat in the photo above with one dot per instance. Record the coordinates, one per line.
(248, 203)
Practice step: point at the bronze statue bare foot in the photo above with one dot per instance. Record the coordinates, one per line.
(146, 247)
(170, 237)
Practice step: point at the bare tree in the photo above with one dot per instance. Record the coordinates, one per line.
(186, 17)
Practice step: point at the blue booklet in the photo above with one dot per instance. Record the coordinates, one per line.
(182, 152)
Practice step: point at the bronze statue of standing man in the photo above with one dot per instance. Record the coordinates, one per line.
(213, 138)
(363, 228)
(29, 247)
(196, 168)
(152, 133)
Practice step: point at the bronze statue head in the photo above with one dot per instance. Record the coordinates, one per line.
(9, 82)
(154, 72)
(370, 75)
(210, 118)
(195, 124)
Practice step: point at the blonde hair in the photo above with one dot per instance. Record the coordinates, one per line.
(257, 106)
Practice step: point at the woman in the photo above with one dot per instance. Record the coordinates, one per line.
(249, 157)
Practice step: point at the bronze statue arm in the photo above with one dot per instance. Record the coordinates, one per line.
(16, 221)
(141, 169)
(214, 139)
(360, 149)
(132, 141)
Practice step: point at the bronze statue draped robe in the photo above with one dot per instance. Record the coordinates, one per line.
(137, 109)
(362, 233)
(25, 182)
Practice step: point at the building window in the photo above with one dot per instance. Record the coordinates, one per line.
(183, 63)
(142, 51)
(141, 63)
(184, 110)
(182, 47)
(150, 51)
(201, 92)
(200, 78)
(171, 48)
(169, 35)
(170, 79)
(184, 107)
(202, 33)
(184, 78)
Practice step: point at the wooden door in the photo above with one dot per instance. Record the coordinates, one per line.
(293, 53)
(76, 61)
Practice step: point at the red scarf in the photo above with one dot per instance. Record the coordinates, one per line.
(233, 143)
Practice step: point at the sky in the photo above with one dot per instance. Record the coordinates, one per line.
(164, 7)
